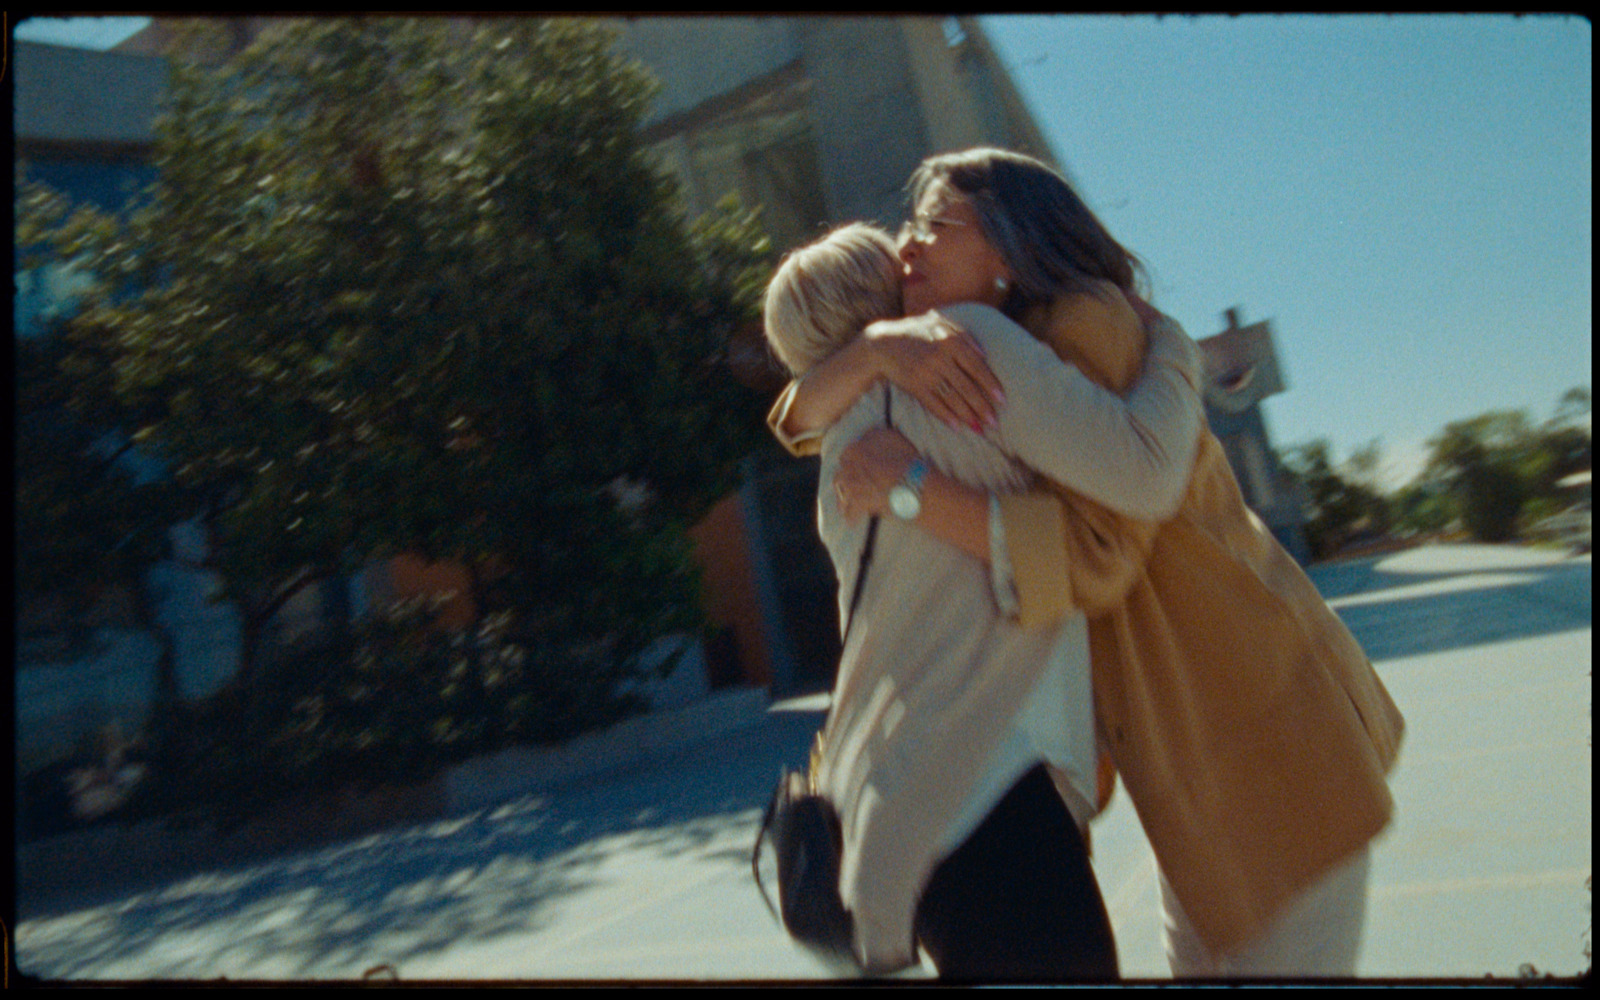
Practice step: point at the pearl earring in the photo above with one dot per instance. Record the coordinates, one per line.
(1001, 286)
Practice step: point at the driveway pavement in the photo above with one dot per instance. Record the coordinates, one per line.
(642, 873)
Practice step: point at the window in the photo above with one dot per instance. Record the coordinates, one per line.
(765, 152)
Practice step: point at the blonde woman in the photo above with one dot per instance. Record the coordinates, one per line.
(960, 748)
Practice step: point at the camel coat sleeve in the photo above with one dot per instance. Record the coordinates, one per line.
(1068, 551)
(801, 444)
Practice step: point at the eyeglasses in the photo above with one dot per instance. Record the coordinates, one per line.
(922, 228)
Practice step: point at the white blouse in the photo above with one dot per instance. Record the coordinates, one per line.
(1055, 725)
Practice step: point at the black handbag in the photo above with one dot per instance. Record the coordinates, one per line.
(804, 829)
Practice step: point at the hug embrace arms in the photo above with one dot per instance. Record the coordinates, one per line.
(1251, 733)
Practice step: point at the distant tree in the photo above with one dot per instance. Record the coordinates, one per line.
(1423, 508)
(405, 289)
(1476, 460)
(1574, 405)
(1362, 470)
(1363, 463)
(1564, 443)
(1499, 467)
(1559, 447)
(1343, 499)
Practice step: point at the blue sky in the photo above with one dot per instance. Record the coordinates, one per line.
(1407, 199)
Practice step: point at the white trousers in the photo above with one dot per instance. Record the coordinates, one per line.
(1317, 936)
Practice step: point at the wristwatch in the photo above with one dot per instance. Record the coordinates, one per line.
(905, 497)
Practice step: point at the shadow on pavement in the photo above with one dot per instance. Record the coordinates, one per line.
(1407, 605)
(419, 890)
(422, 889)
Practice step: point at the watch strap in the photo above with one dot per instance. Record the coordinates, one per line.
(916, 472)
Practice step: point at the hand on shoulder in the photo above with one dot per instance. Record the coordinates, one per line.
(941, 364)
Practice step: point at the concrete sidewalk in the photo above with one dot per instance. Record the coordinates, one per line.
(642, 874)
(52, 873)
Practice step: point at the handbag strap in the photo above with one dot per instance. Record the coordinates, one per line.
(782, 791)
(761, 835)
(872, 532)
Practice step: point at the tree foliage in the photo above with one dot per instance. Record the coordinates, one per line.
(86, 520)
(1488, 475)
(404, 287)
(1343, 499)
(1499, 467)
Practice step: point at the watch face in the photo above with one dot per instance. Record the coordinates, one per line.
(904, 502)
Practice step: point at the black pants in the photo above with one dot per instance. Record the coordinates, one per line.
(1018, 900)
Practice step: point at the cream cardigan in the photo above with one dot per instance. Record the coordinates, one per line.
(933, 677)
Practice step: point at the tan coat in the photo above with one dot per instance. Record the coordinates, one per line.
(1250, 730)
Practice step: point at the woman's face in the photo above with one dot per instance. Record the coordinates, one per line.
(946, 257)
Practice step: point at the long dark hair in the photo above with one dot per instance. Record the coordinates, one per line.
(1049, 238)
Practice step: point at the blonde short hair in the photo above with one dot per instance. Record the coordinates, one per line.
(824, 293)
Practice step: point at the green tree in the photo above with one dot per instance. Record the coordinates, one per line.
(1559, 447)
(402, 288)
(1477, 461)
(1500, 469)
(1563, 444)
(85, 524)
(1343, 499)
(1422, 508)
(90, 522)
(1573, 406)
